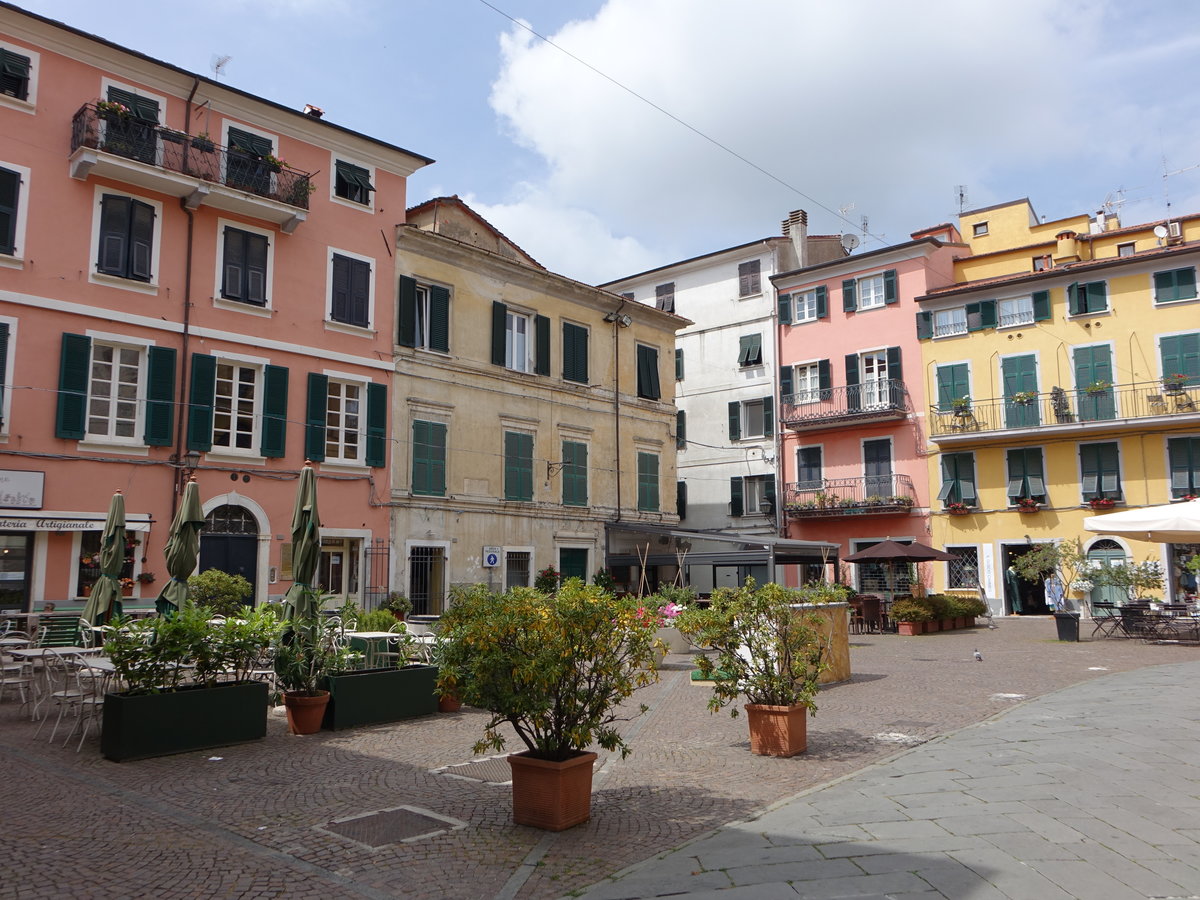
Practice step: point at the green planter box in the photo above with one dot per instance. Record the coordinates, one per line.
(375, 696)
(193, 718)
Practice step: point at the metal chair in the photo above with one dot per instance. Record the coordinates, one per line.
(1106, 620)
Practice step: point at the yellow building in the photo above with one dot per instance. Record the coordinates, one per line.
(530, 412)
(1063, 367)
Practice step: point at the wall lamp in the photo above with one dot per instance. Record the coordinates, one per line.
(622, 319)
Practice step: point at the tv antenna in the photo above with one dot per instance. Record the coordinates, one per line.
(866, 225)
(218, 65)
(960, 197)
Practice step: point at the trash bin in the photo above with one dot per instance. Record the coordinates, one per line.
(1068, 625)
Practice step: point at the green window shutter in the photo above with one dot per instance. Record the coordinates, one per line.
(769, 492)
(1041, 306)
(541, 327)
(648, 482)
(890, 294)
(360, 293)
(966, 478)
(429, 459)
(114, 235)
(1185, 284)
(376, 450)
(3, 365)
(1097, 296)
(1074, 298)
(822, 302)
(825, 378)
(895, 372)
(14, 74)
(681, 429)
(499, 325)
(785, 309)
(849, 301)
(141, 241)
(574, 473)
(786, 383)
(924, 325)
(160, 396)
(575, 353)
(945, 388)
(439, 318)
(339, 307)
(750, 350)
(273, 442)
(647, 373)
(851, 369)
(735, 420)
(201, 394)
(736, 497)
(406, 328)
(10, 188)
(143, 108)
(974, 317)
(987, 314)
(1184, 455)
(1181, 356)
(314, 418)
(249, 143)
(518, 466)
(768, 416)
(1164, 287)
(681, 499)
(679, 364)
(74, 372)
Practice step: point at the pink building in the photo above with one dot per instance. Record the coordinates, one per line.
(178, 294)
(851, 394)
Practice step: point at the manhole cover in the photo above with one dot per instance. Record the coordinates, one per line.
(494, 769)
(392, 826)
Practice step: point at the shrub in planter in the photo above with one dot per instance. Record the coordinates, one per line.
(398, 605)
(911, 610)
(224, 594)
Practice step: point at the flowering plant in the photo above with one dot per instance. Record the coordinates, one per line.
(1102, 503)
(1098, 387)
(271, 160)
(546, 580)
(126, 583)
(1024, 397)
(1174, 380)
(1081, 585)
(957, 506)
(146, 577)
(113, 107)
(1028, 504)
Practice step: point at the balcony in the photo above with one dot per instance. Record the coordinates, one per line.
(868, 496)
(855, 404)
(126, 149)
(1097, 409)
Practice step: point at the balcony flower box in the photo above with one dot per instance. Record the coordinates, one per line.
(1102, 503)
(958, 509)
(1026, 505)
(1174, 383)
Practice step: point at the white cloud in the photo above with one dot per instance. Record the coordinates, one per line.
(883, 105)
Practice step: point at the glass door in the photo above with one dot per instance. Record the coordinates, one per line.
(16, 554)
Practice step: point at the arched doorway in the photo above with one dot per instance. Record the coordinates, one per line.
(1106, 552)
(229, 542)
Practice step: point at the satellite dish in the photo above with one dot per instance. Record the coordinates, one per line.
(849, 242)
(1160, 231)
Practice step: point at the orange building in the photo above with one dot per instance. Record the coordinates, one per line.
(179, 294)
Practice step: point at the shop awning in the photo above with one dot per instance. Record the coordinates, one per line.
(732, 549)
(42, 520)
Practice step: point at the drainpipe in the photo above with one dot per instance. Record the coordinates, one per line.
(615, 318)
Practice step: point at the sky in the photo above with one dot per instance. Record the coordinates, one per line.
(650, 131)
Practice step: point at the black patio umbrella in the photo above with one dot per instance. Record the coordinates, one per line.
(892, 552)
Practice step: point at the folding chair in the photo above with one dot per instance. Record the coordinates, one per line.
(1106, 620)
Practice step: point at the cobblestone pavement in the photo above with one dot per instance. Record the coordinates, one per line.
(254, 821)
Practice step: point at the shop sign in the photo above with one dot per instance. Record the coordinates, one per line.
(20, 489)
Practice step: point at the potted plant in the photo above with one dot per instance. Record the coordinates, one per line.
(187, 683)
(1102, 503)
(1098, 387)
(961, 406)
(306, 655)
(146, 577)
(558, 668)
(1024, 398)
(910, 616)
(398, 605)
(666, 605)
(1174, 383)
(1028, 505)
(957, 508)
(767, 651)
(546, 580)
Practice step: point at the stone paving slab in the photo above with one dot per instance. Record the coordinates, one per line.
(252, 821)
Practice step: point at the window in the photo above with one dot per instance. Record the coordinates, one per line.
(350, 296)
(1181, 356)
(958, 479)
(1126, 249)
(751, 419)
(963, 571)
(953, 383)
(664, 297)
(749, 278)
(811, 305)
(14, 74)
(809, 476)
(808, 382)
(338, 569)
(518, 466)
(873, 379)
(869, 292)
(679, 364)
(133, 134)
(647, 482)
(424, 316)
(234, 410)
(89, 558)
(1177, 284)
(429, 458)
(10, 189)
(520, 340)
(1042, 263)
(1100, 468)
(234, 402)
(647, 373)
(574, 353)
(353, 183)
(516, 568)
(1086, 299)
(1019, 376)
(681, 429)
(244, 266)
(1015, 311)
(979, 229)
(750, 350)
(126, 238)
(950, 321)
(752, 495)
(110, 391)
(427, 579)
(1183, 455)
(1025, 475)
(245, 164)
(343, 422)
(574, 473)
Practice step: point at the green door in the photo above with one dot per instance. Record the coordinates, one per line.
(1020, 377)
(1093, 383)
(1107, 553)
(573, 562)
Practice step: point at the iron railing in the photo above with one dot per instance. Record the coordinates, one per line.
(885, 398)
(867, 495)
(1090, 406)
(127, 136)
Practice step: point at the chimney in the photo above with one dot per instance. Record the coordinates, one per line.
(795, 226)
(314, 111)
(1068, 247)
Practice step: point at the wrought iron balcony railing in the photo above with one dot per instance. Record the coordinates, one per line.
(1089, 407)
(127, 136)
(882, 399)
(868, 495)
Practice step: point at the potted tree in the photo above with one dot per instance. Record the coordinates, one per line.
(307, 654)
(766, 650)
(557, 667)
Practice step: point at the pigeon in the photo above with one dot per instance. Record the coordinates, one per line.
(978, 656)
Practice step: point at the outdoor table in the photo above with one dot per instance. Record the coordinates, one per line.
(369, 642)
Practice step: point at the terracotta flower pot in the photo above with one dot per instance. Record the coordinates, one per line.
(910, 628)
(553, 796)
(449, 704)
(305, 713)
(777, 730)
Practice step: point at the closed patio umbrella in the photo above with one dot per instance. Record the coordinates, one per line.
(183, 547)
(306, 547)
(1170, 523)
(104, 603)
